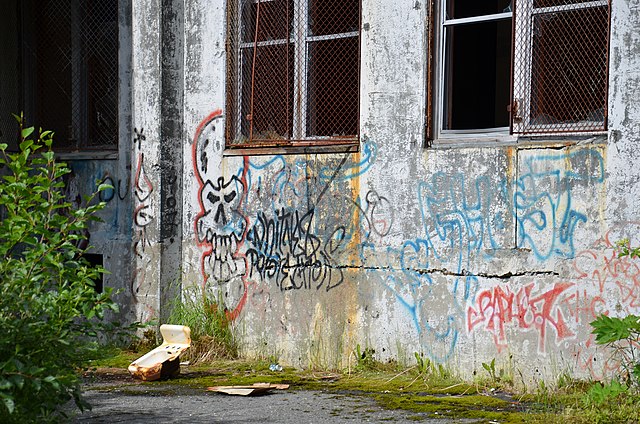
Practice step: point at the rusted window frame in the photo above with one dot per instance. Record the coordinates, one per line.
(435, 89)
(301, 40)
(521, 90)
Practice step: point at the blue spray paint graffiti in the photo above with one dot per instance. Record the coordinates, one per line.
(289, 230)
(543, 202)
(466, 219)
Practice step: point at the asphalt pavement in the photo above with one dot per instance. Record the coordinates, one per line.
(117, 402)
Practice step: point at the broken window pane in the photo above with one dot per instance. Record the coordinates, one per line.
(477, 75)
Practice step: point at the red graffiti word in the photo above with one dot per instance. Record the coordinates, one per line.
(605, 267)
(499, 306)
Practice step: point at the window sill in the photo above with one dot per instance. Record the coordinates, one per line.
(291, 149)
(87, 155)
(524, 142)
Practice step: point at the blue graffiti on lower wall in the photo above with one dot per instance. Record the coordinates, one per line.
(465, 221)
(543, 202)
(293, 223)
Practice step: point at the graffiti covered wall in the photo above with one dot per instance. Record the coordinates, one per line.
(462, 252)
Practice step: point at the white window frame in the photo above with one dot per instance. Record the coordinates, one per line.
(441, 134)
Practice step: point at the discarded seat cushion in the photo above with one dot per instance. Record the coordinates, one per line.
(163, 361)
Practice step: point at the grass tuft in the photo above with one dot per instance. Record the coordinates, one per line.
(204, 313)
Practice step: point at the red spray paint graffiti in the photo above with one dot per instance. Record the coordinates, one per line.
(499, 306)
(220, 226)
(602, 283)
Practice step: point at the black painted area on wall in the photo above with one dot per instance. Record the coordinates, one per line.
(171, 125)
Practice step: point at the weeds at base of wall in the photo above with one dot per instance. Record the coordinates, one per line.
(431, 397)
(261, 352)
(204, 312)
(494, 377)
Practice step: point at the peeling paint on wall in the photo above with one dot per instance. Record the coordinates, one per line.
(462, 253)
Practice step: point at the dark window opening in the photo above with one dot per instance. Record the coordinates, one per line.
(70, 67)
(458, 9)
(96, 259)
(293, 72)
(477, 75)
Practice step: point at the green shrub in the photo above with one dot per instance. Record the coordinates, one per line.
(50, 313)
(622, 335)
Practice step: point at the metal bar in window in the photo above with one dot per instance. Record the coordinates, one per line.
(332, 36)
(263, 43)
(238, 71)
(287, 91)
(300, 68)
(474, 19)
(253, 71)
(569, 7)
(521, 78)
(77, 134)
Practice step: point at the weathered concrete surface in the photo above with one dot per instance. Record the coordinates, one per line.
(464, 253)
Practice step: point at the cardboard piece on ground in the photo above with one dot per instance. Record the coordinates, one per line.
(254, 389)
(163, 361)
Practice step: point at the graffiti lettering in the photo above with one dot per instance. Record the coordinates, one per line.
(142, 218)
(499, 306)
(284, 249)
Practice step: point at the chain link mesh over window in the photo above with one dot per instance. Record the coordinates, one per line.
(293, 72)
(70, 59)
(560, 66)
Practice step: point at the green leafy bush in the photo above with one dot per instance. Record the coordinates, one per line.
(50, 313)
(599, 393)
(622, 335)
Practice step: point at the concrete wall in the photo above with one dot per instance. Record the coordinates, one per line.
(463, 254)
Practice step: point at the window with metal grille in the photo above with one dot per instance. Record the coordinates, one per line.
(293, 73)
(70, 70)
(561, 66)
(540, 67)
